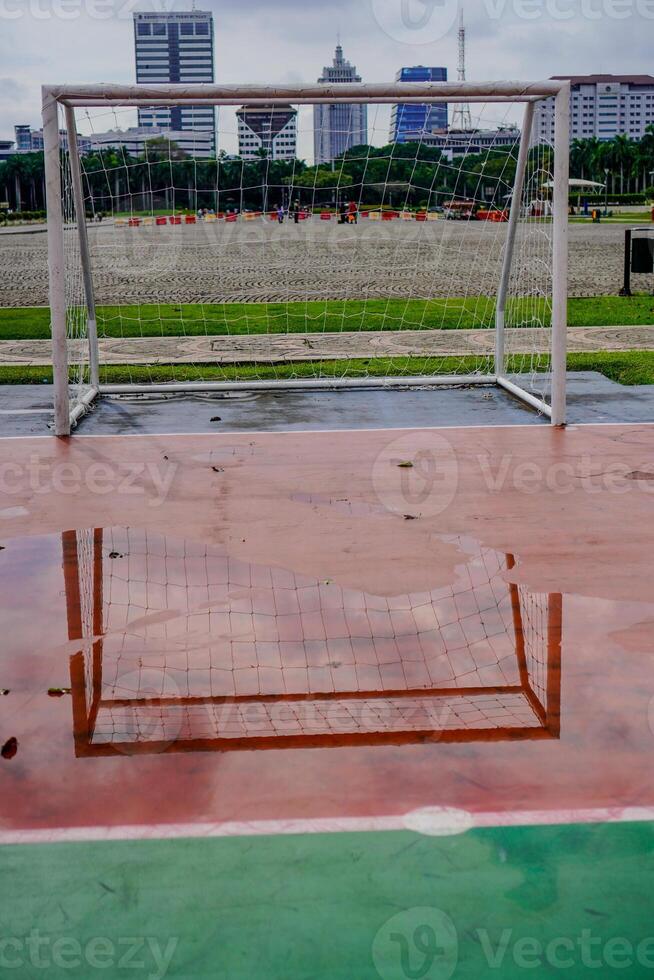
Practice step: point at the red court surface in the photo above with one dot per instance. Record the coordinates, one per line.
(218, 634)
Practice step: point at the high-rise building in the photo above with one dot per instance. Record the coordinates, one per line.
(175, 47)
(338, 126)
(269, 130)
(30, 140)
(601, 107)
(409, 123)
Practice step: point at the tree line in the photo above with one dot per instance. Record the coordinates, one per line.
(398, 174)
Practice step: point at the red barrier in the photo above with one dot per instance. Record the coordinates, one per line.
(389, 215)
(134, 222)
(189, 219)
(325, 216)
(231, 217)
(160, 220)
(421, 216)
(492, 216)
(175, 219)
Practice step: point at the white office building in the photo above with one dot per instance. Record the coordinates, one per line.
(267, 130)
(175, 47)
(338, 126)
(601, 107)
(195, 143)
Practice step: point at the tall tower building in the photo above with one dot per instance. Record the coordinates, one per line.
(409, 123)
(267, 131)
(338, 126)
(175, 47)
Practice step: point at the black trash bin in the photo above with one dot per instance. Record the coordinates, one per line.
(642, 255)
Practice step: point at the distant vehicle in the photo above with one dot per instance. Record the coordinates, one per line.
(459, 210)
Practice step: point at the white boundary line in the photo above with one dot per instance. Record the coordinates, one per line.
(429, 821)
(571, 427)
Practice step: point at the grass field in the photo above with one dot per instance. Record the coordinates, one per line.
(152, 320)
(331, 316)
(625, 367)
(643, 217)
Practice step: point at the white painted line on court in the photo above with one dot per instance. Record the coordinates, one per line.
(428, 821)
(25, 411)
(307, 432)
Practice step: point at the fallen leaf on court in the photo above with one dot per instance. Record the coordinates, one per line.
(9, 749)
(58, 692)
(406, 466)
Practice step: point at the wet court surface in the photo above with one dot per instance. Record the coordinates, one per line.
(263, 693)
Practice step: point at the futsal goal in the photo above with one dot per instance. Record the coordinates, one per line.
(313, 249)
(255, 656)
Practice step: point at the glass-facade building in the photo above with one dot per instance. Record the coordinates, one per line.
(409, 123)
(177, 48)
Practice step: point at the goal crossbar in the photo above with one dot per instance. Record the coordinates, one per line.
(66, 98)
(143, 94)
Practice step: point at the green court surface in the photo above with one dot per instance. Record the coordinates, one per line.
(512, 902)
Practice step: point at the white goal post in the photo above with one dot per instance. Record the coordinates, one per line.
(507, 274)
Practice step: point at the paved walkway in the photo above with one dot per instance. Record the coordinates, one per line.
(276, 348)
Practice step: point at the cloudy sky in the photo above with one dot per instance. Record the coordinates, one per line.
(290, 41)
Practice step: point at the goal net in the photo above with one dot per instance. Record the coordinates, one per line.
(300, 256)
(259, 657)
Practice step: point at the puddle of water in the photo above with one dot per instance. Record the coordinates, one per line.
(176, 645)
(171, 651)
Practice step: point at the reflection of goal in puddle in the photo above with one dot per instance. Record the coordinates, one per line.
(183, 648)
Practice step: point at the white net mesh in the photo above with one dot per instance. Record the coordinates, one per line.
(259, 266)
(182, 644)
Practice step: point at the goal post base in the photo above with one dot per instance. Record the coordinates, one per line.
(311, 384)
(294, 384)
